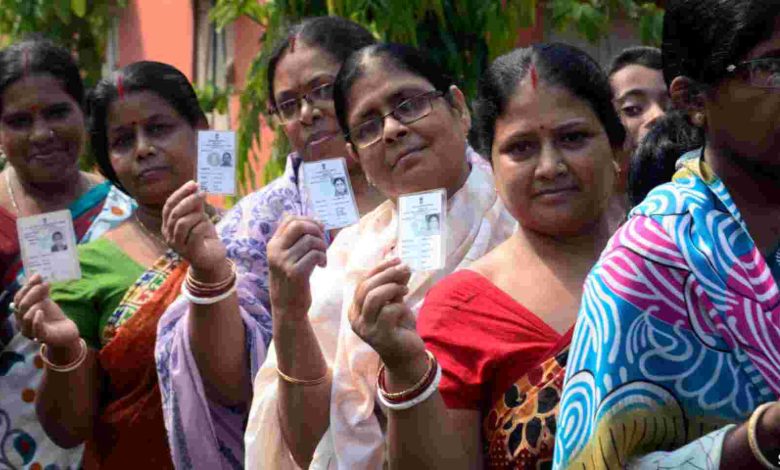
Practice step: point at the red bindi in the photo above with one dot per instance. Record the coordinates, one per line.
(534, 77)
(34, 108)
(120, 87)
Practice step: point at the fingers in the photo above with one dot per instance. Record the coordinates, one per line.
(186, 190)
(189, 208)
(296, 227)
(184, 228)
(304, 245)
(388, 272)
(380, 297)
(34, 295)
(304, 267)
(35, 280)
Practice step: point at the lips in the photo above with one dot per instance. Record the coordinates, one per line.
(556, 191)
(320, 137)
(405, 153)
(152, 172)
(48, 154)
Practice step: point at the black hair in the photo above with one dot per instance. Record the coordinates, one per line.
(653, 162)
(336, 36)
(164, 80)
(559, 65)
(36, 55)
(649, 57)
(701, 38)
(398, 57)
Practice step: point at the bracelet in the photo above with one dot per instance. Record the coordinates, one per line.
(304, 383)
(414, 389)
(753, 441)
(432, 388)
(205, 300)
(206, 286)
(68, 367)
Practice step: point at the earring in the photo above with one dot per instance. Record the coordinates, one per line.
(698, 119)
(368, 180)
(617, 168)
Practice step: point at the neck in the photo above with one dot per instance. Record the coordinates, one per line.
(750, 184)
(150, 218)
(66, 189)
(580, 251)
(366, 196)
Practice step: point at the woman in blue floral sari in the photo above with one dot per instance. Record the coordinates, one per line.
(675, 359)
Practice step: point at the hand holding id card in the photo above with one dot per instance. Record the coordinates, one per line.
(48, 245)
(422, 228)
(330, 192)
(217, 162)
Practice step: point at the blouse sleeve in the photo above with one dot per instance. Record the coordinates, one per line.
(106, 274)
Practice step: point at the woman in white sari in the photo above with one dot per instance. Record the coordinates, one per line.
(314, 399)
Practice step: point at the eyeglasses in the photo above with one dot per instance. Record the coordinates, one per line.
(761, 73)
(409, 111)
(290, 110)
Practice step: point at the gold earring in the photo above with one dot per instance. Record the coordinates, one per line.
(698, 119)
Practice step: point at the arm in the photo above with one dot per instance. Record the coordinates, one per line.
(427, 435)
(297, 247)
(67, 402)
(189, 231)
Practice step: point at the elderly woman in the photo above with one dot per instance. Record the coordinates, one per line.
(674, 360)
(42, 134)
(407, 126)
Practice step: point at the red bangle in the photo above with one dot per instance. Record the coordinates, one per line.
(416, 390)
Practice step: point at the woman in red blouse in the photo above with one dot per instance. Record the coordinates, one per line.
(500, 329)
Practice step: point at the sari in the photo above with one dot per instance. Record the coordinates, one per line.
(23, 443)
(200, 430)
(129, 429)
(477, 222)
(677, 336)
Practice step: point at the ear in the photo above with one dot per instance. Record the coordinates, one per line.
(352, 153)
(688, 95)
(458, 101)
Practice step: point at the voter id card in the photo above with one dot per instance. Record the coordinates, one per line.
(330, 192)
(217, 162)
(422, 229)
(48, 244)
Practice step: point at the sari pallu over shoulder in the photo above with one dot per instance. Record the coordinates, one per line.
(677, 336)
(477, 221)
(200, 430)
(129, 429)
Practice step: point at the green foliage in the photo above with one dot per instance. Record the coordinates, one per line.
(213, 98)
(461, 37)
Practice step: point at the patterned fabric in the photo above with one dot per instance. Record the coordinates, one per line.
(677, 336)
(130, 416)
(519, 430)
(202, 432)
(477, 222)
(23, 443)
(140, 293)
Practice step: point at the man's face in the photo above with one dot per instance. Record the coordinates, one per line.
(641, 97)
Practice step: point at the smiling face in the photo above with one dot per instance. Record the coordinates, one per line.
(41, 129)
(553, 161)
(315, 134)
(641, 98)
(426, 154)
(152, 148)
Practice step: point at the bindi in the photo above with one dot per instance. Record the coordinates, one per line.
(120, 86)
(534, 77)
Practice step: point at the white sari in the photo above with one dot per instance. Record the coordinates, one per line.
(477, 222)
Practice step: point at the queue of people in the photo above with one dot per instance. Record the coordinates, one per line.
(609, 292)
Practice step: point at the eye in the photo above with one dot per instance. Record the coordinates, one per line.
(322, 93)
(574, 139)
(18, 121)
(367, 131)
(521, 149)
(632, 110)
(288, 107)
(158, 129)
(57, 112)
(122, 142)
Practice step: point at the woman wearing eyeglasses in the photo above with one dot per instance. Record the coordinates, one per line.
(674, 361)
(407, 126)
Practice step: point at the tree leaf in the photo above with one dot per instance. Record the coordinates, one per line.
(79, 7)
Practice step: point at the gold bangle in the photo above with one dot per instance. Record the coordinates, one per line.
(68, 367)
(753, 440)
(213, 285)
(304, 383)
(413, 388)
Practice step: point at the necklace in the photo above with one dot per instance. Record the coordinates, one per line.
(11, 193)
(147, 231)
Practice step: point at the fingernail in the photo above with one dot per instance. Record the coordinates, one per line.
(403, 267)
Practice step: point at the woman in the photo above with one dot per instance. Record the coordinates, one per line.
(545, 115)
(144, 133)
(674, 357)
(300, 77)
(407, 126)
(42, 135)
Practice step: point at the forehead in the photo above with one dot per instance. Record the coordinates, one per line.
(34, 90)
(380, 83)
(297, 67)
(138, 106)
(532, 109)
(637, 77)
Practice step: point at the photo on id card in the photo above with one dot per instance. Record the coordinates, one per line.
(330, 192)
(48, 245)
(422, 229)
(217, 162)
